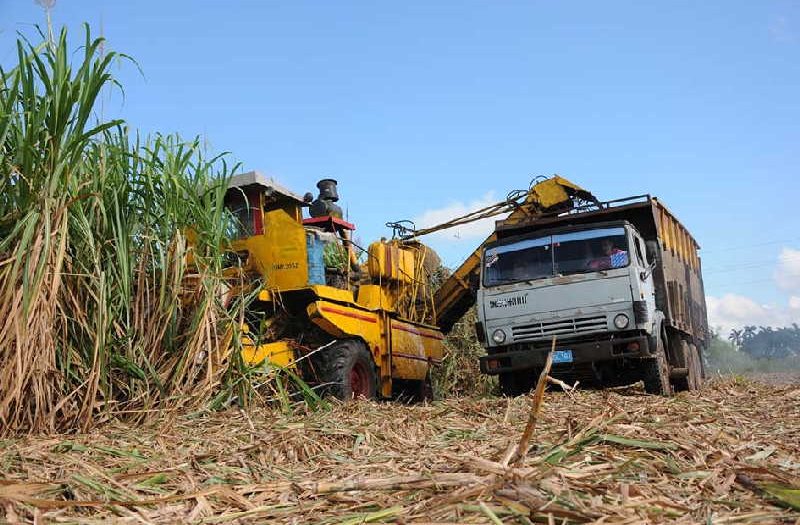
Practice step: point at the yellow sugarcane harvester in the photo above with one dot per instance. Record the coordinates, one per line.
(373, 329)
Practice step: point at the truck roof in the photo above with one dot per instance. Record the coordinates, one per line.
(629, 209)
(557, 229)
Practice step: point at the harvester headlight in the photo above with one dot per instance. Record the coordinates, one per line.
(621, 321)
(498, 336)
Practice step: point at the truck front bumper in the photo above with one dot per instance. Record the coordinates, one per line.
(514, 359)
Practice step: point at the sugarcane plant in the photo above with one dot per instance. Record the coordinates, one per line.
(101, 315)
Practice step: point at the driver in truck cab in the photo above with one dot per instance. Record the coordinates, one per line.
(612, 257)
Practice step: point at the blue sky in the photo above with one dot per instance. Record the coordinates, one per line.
(423, 109)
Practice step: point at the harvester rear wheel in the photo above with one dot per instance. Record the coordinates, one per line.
(346, 370)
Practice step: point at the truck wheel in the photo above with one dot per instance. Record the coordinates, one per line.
(514, 384)
(694, 372)
(655, 373)
(697, 366)
(702, 362)
(346, 371)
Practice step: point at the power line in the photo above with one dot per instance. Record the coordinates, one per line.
(770, 280)
(754, 264)
(788, 271)
(703, 252)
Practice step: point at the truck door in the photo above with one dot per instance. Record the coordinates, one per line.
(646, 286)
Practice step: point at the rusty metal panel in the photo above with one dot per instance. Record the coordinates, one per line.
(685, 306)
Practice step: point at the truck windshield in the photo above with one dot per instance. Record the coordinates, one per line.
(562, 254)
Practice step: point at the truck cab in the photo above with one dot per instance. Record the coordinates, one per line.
(589, 287)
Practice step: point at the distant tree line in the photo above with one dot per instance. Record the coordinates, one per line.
(765, 342)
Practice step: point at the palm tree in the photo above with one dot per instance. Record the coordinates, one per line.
(748, 333)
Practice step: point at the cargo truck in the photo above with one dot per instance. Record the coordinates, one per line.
(617, 283)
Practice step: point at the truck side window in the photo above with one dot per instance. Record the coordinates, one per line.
(639, 252)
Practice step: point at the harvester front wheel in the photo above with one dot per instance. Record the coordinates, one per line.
(347, 371)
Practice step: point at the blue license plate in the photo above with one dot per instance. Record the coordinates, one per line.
(562, 356)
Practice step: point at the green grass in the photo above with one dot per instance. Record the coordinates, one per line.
(459, 374)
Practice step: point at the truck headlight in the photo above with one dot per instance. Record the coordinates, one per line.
(498, 336)
(621, 321)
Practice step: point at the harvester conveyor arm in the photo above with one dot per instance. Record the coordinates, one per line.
(456, 295)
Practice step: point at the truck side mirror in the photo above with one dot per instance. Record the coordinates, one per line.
(652, 256)
(651, 247)
(645, 274)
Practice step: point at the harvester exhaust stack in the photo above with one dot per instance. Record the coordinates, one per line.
(325, 203)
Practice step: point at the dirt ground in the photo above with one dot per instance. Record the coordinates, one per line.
(728, 454)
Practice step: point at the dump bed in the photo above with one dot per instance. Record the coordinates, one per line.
(677, 276)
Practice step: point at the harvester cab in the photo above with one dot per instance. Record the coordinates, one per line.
(353, 330)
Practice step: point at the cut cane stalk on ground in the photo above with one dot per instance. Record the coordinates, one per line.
(628, 458)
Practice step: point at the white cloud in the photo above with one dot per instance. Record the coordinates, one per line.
(794, 302)
(734, 311)
(474, 231)
(787, 273)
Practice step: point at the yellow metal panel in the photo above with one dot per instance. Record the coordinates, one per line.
(672, 233)
(374, 297)
(286, 239)
(279, 255)
(550, 192)
(390, 261)
(662, 229)
(684, 245)
(413, 348)
(278, 353)
(334, 294)
(346, 321)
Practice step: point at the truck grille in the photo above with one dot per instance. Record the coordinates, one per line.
(577, 325)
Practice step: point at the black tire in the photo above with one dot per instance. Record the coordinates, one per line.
(682, 384)
(655, 371)
(514, 384)
(697, 366)
(346, 370)
(694, 367)
(702, 361)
